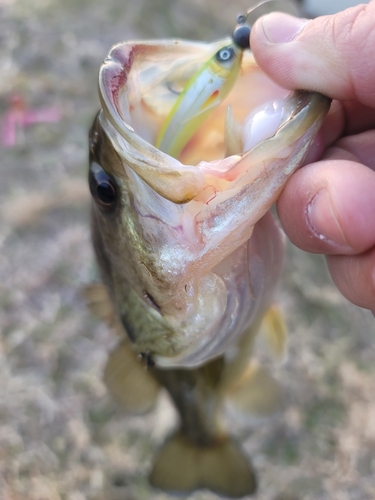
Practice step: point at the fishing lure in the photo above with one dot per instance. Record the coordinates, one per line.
(203, 93)
(206, 89)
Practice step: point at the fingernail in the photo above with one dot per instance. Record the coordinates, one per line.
(323, 222)
(281, 28)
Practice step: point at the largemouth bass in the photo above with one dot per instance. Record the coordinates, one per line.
(189, 254)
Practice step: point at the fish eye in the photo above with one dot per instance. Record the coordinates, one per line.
(225, 54)
(102, 187)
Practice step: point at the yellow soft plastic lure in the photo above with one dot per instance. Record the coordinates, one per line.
(202, 94)
(209, 86)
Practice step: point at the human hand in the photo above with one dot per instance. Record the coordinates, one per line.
(328, 206)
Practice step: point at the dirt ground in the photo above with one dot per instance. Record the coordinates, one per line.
(61, 438)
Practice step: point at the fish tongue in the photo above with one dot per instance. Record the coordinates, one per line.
(263, 123)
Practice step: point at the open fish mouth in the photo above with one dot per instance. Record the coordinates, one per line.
(195, 203)
(139, 84)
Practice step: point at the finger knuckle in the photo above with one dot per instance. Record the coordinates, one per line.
(354, 36)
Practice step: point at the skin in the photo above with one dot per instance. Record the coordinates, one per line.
(328, 206)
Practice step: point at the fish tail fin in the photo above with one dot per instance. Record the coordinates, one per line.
(256, 393)
(128, 381)
(182, 467)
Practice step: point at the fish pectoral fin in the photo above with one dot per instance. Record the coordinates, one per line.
(99, 303)
(126, 378)
(182, 467)
(256, 393)
(128, 381)
(275, 332)
(233, 134)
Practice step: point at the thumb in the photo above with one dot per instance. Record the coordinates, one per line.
(333, 55)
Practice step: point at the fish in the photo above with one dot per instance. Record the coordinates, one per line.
(188, 251)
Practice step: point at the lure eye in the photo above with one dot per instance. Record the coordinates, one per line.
(103, 188)
(241, 36)
(225, 54)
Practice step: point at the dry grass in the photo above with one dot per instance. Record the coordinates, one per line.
(60, 436)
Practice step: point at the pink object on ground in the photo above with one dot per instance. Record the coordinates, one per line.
(19, 116)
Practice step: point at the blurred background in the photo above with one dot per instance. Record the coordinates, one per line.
(61, 438)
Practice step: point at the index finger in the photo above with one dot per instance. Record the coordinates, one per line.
(333, 55)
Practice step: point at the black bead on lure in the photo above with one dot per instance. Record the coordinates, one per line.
(241, 33)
